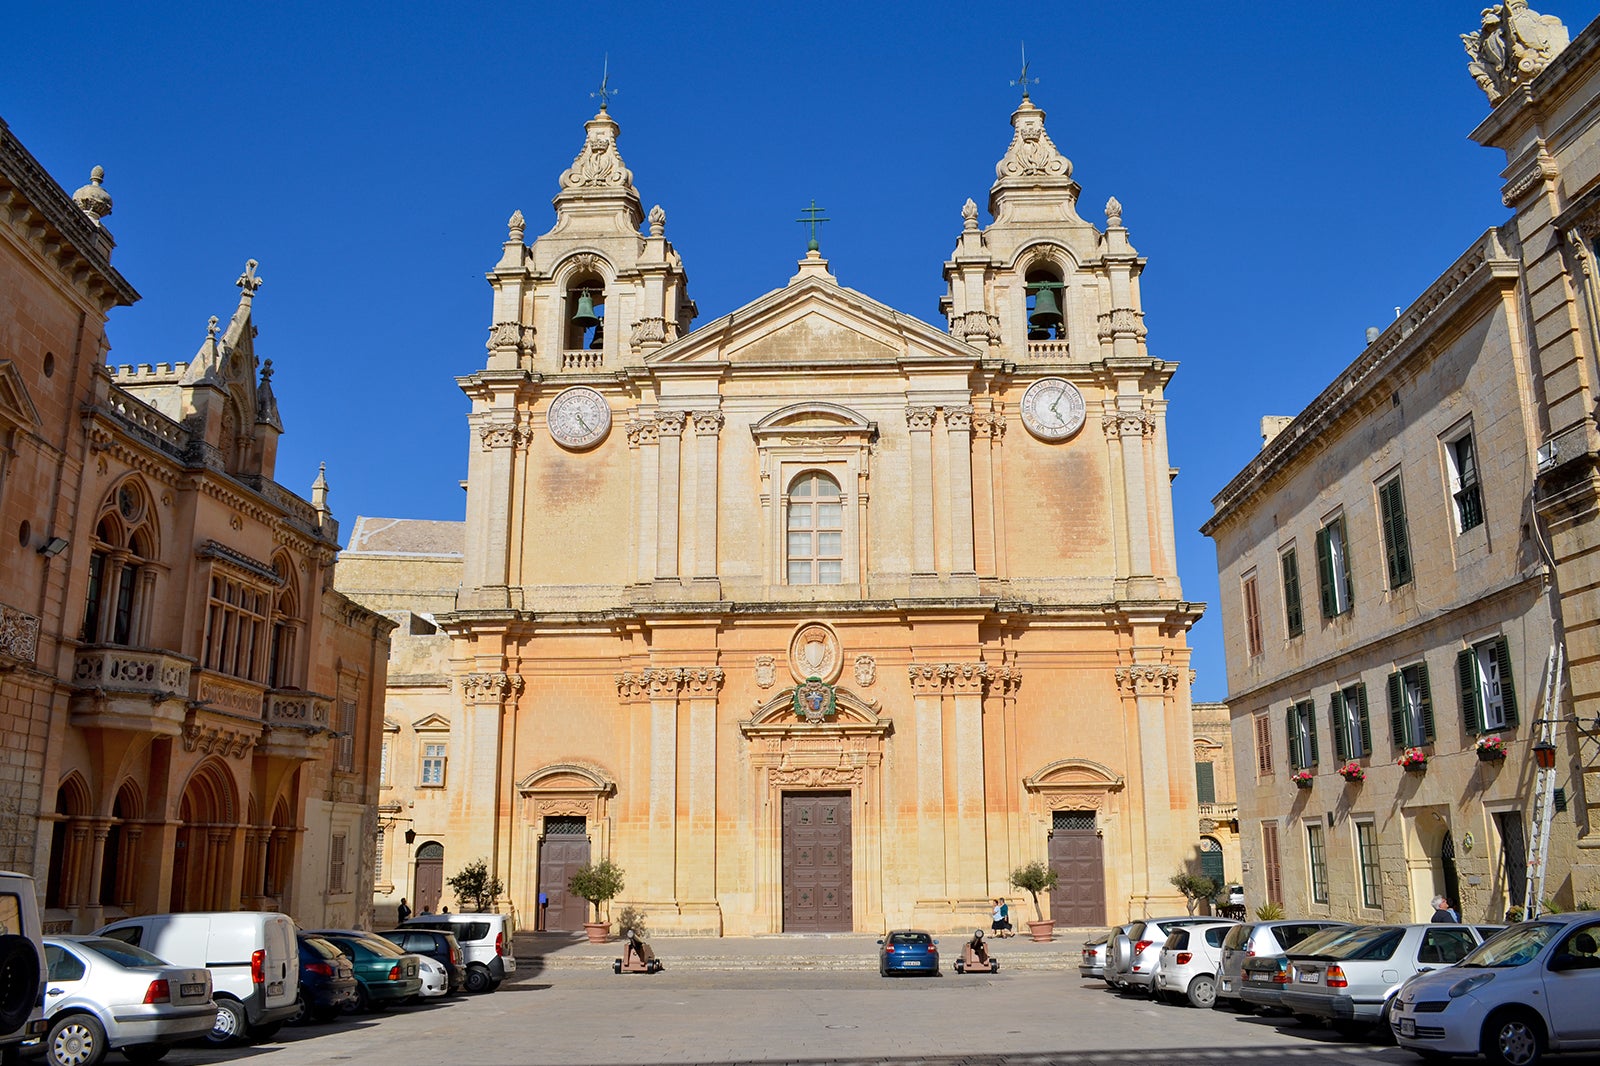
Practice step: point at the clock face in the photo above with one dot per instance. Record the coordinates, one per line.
(1053, 409)
(579, 417)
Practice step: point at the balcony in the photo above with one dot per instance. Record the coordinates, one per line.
(297, 724)
(229, 694)
(140, 689)
(19, 638)
(1214, 814)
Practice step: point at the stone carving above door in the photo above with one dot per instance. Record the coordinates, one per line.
(814, 651)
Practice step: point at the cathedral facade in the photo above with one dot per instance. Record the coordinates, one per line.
(813, 617)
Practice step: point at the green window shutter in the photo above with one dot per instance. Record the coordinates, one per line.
(1427, 704)
(1349, 585)
(1508, 691)
(1467, 678)
(1308, 711)
(1396, 539)
(1294, 740)
(1293, 618)
(1341, 749)
(1325, 573)
(1397, 708)
(1366, 725)
(1205, 779)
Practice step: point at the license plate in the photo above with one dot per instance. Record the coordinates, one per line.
(1408, 1027)
(275, 988)
(1309, 978)
(909, 963)
(195, 989)
(1256, 977)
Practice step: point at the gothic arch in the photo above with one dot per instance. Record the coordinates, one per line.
(209, 796)
(73, 798)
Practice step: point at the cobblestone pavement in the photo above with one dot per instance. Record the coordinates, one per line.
(583, 1015)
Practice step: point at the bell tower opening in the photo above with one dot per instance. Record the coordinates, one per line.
(586, 296)
(1045, 320)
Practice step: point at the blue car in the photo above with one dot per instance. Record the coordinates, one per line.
(908, 951)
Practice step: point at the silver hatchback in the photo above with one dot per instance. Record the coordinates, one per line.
(1136, 954)
(1255, 939)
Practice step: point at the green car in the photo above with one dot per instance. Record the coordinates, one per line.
(385, 975)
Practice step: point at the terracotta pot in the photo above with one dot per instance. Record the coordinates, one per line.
(599, 932)
(1042, 932)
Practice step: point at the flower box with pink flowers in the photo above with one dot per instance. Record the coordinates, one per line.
(1353, 772)
(1414, 759)
(1491, 748)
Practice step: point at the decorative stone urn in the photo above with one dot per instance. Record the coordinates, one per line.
(1042, 932)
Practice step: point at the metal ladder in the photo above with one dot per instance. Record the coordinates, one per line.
(1545, 782)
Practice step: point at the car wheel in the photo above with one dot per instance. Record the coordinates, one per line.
(142, 1053)
(1203, 991)
(616, 965)
(478, 979)
(960, 968)
(75, 1040)
(302, 1013)
(230, 1025)
(19, 981)
(1513, 1038)
(362, 1002)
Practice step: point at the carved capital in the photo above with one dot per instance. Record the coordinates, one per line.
(959, 417)
(643, 431)
(708, 423)
(510, 336)
(926, 679)
(670, 423)
(499, 435)
(630, 686)
(702, 680)
(1129, 424)
(649, 332)
(1148, 679)
(1124, 321)
(1009, 677)
(967, 678)
(992, 426)
(663, 684)
(921, 418)
(490, 687)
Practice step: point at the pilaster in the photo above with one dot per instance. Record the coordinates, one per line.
(958, 432)
(919, 419)
(644, 441)
(707, 428)
(669, 425)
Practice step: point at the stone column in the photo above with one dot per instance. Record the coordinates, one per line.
(143, 607)
(988, 488)
(477, 736)
(110, 589)
(128, 861)
(660, 873)
(707, 426)
(644, 439)
(93, 912)
(72, 887)
(670, 427)
(1003, 777)
(958, 435)
(920, 421)
(499, 439)
(1151, 685)
(696, 857)
(967, 683)
(1130, 428)
(927, 688)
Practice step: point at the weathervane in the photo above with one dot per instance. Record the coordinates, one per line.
(813, 219)
(605, 92)
(1023, 80)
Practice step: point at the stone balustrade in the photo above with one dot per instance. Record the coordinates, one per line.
(582, 360)
(1219, 812)
(119, 669)
(228, 693)
(1048, 349)
(298, 710)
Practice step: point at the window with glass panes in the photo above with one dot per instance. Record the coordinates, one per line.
(1464, 487)
(1317, 853)
(1488, 695)
(433, 757)
(1410, 707)
(1367, 857)
(815, 531)
(236, 621)
(1333, 568)
(1352, 729)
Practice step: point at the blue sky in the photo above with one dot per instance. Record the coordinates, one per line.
(1293, 172)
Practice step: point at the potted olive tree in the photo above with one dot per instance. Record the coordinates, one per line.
(1034, 878)
(597, 883)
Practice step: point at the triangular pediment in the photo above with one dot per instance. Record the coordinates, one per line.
(433, 723)
(814, 322)
(15, 406)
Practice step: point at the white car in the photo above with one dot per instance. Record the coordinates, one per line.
(1190, 959)
(1533, 988)
(103, 994)
(435, 978)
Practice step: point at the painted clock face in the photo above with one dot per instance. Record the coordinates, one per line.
(1053, 409)
(579, 417)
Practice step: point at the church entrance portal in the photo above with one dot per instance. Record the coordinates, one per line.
(816, 862)
(563, 850)
(1079, 897)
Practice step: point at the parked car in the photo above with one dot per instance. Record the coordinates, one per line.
(22, 966)
(252, 956)
(1534, 988)
(1097, 953)
(435, 977)
(485, 940)
(1189, 961)
(385, 975)
(908, 951)
(1349, 983)
(440, 945)
(104, 995)
(1259, 938)
(1136, 954)
(327, 981)
(1263, 978)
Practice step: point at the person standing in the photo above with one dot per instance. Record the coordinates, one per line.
(1443, 912)
(404, 911)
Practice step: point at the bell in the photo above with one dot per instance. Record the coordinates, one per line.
(584, 316)
(1046, 312)
(598, 340)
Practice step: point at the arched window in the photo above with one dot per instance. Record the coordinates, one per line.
(585, 313)
(1046, 315)
(815, 527)
(121, 583)
(281, 663)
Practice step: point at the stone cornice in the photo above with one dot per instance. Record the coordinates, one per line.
(1480, 267)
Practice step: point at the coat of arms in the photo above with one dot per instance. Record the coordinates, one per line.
(766, 671)
(814, 700)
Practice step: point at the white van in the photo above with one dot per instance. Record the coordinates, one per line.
(253, 957)
(485, 941)
(22, 966)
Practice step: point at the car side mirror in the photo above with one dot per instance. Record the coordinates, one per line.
(880, 941)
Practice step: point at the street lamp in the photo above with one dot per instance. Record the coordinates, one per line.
(1544, 753)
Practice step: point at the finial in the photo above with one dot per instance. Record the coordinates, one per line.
(605, 92)
(92, 198)
(969, 215)
(266, 372)
(812, 220)
(1023, 79)
(658, 221)
(517, 225)
(248, 282)
(1113, 212)
(211, 328)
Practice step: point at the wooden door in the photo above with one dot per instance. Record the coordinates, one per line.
(565, 847)
(816, 863)
(1078, 859)
(430, 878)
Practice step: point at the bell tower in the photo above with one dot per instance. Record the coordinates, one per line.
(593, 293)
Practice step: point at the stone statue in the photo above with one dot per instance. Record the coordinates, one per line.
(1511, 47)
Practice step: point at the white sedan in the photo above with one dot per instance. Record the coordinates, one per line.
(1533, 988)
(104, 994)
(435, 978)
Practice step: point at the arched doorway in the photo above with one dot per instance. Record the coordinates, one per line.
(68, 845)
(430, 877)
(205, 842)
(1211, 861)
